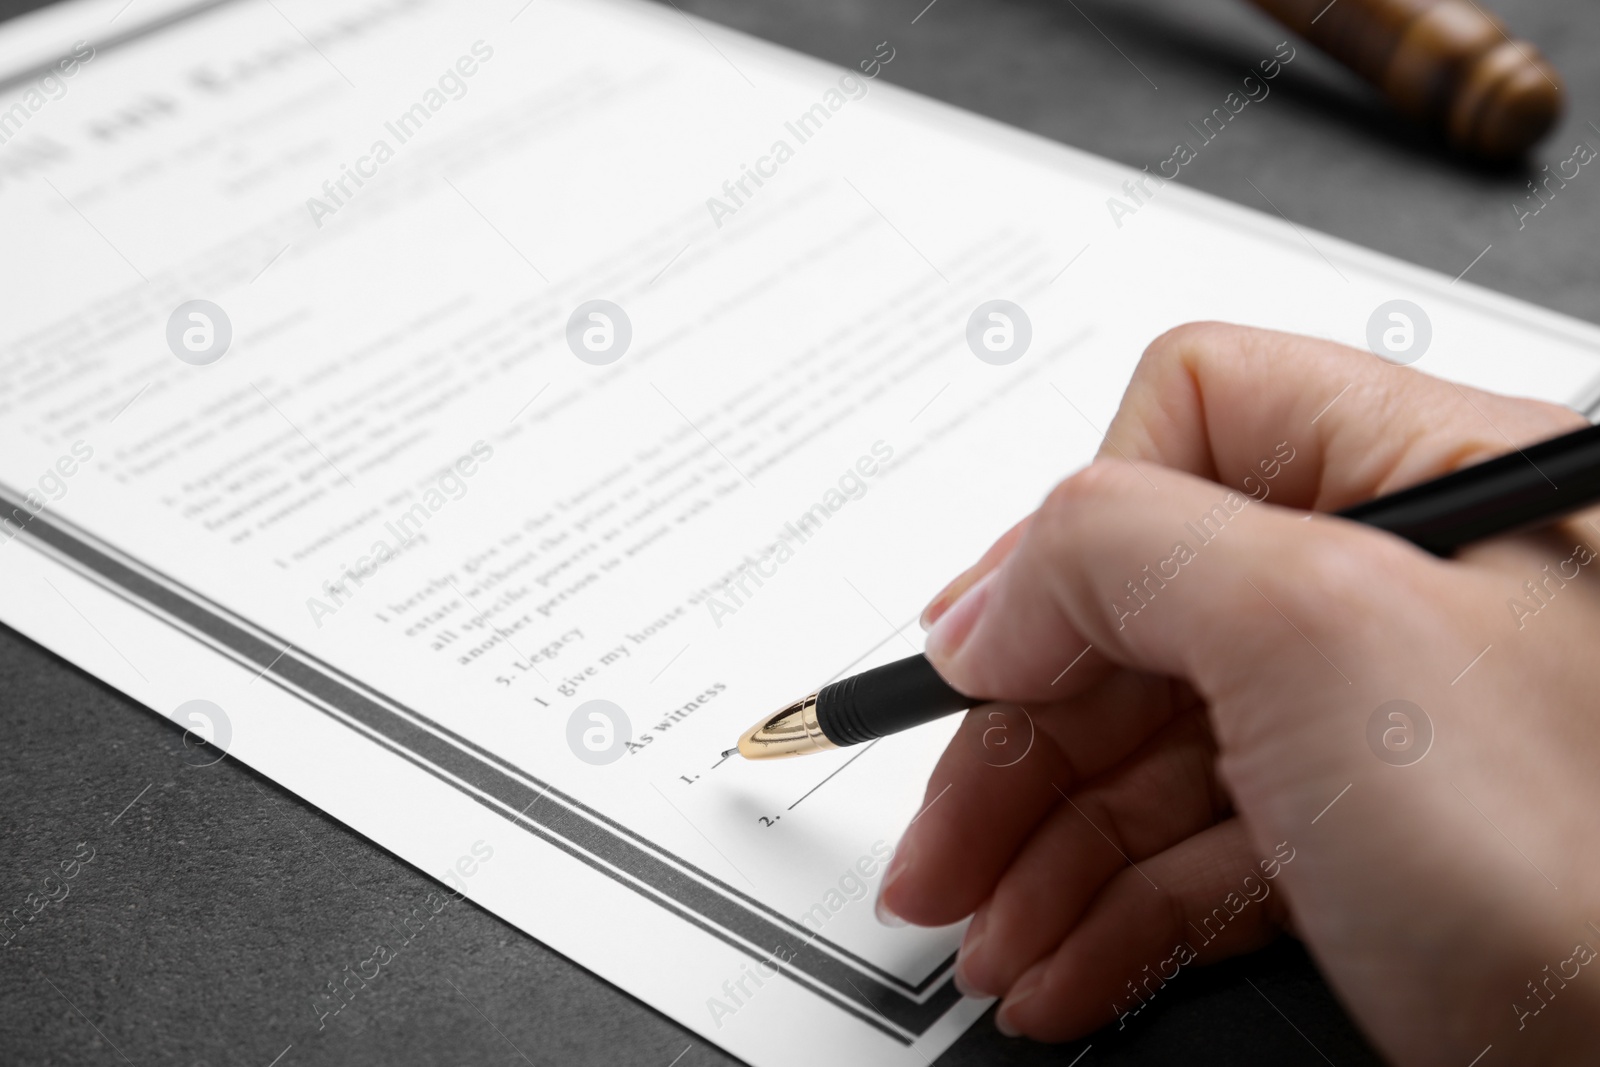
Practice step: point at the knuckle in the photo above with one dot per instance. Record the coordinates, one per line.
(1069, 505)
(1094, 484)
(1189, 337)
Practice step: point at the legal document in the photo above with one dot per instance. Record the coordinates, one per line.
(473, 415)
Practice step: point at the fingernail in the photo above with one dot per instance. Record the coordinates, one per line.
(937, 606)
(897, 867)
(1027, 987)
(969, 947)
(951, 630)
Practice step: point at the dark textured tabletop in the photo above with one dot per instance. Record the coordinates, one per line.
(217, 905)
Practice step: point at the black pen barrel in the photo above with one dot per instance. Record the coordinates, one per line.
(886, 700)
(1510, 492)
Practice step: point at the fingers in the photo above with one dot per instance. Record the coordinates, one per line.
(1296, 420)
(1206, 898)
(985, 796)
(1162, 572)
(1163, 794)
(1213, 400)
(965, 580)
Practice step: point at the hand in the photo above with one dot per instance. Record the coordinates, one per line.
(1215, 767)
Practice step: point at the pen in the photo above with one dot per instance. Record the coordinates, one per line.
(1519, 490)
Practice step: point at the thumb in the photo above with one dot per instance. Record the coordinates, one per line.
(1144, 567)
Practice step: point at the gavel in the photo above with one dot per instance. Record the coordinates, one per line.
(1446, 63)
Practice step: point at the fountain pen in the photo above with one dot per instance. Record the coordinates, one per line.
(1520, 490)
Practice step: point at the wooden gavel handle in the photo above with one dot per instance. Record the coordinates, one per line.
(1447, 63)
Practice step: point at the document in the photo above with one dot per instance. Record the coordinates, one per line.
(472, 415)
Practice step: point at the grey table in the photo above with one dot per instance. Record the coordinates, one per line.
(218, 904)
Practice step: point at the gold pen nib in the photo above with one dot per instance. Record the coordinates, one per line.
(731, 752)
(794, 731)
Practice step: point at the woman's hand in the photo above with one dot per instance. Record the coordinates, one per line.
(1206, 668)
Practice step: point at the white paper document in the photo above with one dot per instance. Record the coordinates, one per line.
(487, 410)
